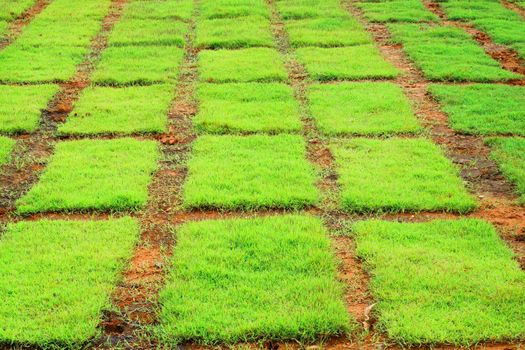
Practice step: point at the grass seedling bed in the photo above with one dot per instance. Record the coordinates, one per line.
(56, 278)
(159, 9)
(13, 8)
(94, 175)
(240, 280)
(299, 9)
(233, 8)
(397, 175)
(396, 11)
(250, 172)
(451, 282)
(6, 146)
(136, 31)
(73, 10)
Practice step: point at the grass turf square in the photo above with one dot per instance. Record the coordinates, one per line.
(299, 9)
(361, 108)
(355, 62)
(396, 11)
(250, 172)
(159, 9)
(252, 279)
(443, 282)
(57, 276)
(233, 8)
(244, 65)
(6, 146)
(247, 107)
(94, 174)
(14, 8)
(396, 175)
(136, 31)
(127, 110)
(483, 108)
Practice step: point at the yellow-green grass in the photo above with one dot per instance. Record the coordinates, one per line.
(298, 9)
(13, 8)
(483, 108)
(233, 33)
(509, 154)
(138, 65)
(4, 25)
(127, 110)
(57, 277)
(396, 11)
(73, 10)
(354, 62)
(398, 175)
(239, 280)
(21, 106)
(243, 65)
(447, 54)
(233, 8)
(247, 108)
(161, 9)
(250, 172)
(370, 108)
(151, 31)
(94, 175)
(6, 146)
(453, 282)
(326, 32)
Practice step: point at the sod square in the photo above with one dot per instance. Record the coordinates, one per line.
(127, 110)
(443, 282)
(233, 33)
(250, 172)
(6, 146)
(138, 65)
(136, 31)
(73, 10)
(3, 27)
(233, 8)
(244, 65)
(361, 108)
(14, 8)
(94, 174)
(161, 9)
(247, 107)
(396, 11)
(483, 108)
(298, 9)
(21, 106)
(57, 277)
(326, 32)
(397, 175)
(354, 62)
(238, 280)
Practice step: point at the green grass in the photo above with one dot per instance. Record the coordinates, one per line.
(361, 108)
(161, 9)
(483, 108)
(326, 32)
(57, 277)
(136, 31)
(73, 10)
(355, 62)
(238, 280)
(298, 9)
(396, 11)
(138, 65)
(233, 8)
(509, 154)
(13, 8)
(94, 174)
(6, 146)
(250, 172)
(244, 65)
(3, 27)
(447, 54)
(247, 107)
(21, 106)
(129, 110)
(397, 175)
(453, 282)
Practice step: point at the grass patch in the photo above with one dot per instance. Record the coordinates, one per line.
(355, 62)
(73, 10)
(233, 8)
(159, 9)
(250, 172)
(453, 282)
(57, 278)
(483, 108)
(361, 108)
(396, 11)
(245, 65)
(136, 31)
(397, 175)
(94, 174)
(6, 146)
(138, 65)
(299, 9)
(241, 280)
(129, 110)
(247, 107)
(13, 8)
(21, 106)
(3, 27)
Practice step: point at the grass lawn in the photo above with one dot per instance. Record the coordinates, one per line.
(136, 31)
(247, 107)
(326, 32)
(354, 62)
(129, 110)
(396, 11)
(361, 108)
(3, 27)
(56, 278)
(483, 108)
(233, 33)
(298, 9)
(271, 278)
(13, 8)
(21, 106)
(233, 8)
(245, 65)
(160, 9)
(6, 146)
(138, 65)
(73, 10)
(250, 172)
(397, 175)
(94, 174)
(453, 282)
(509, 153)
